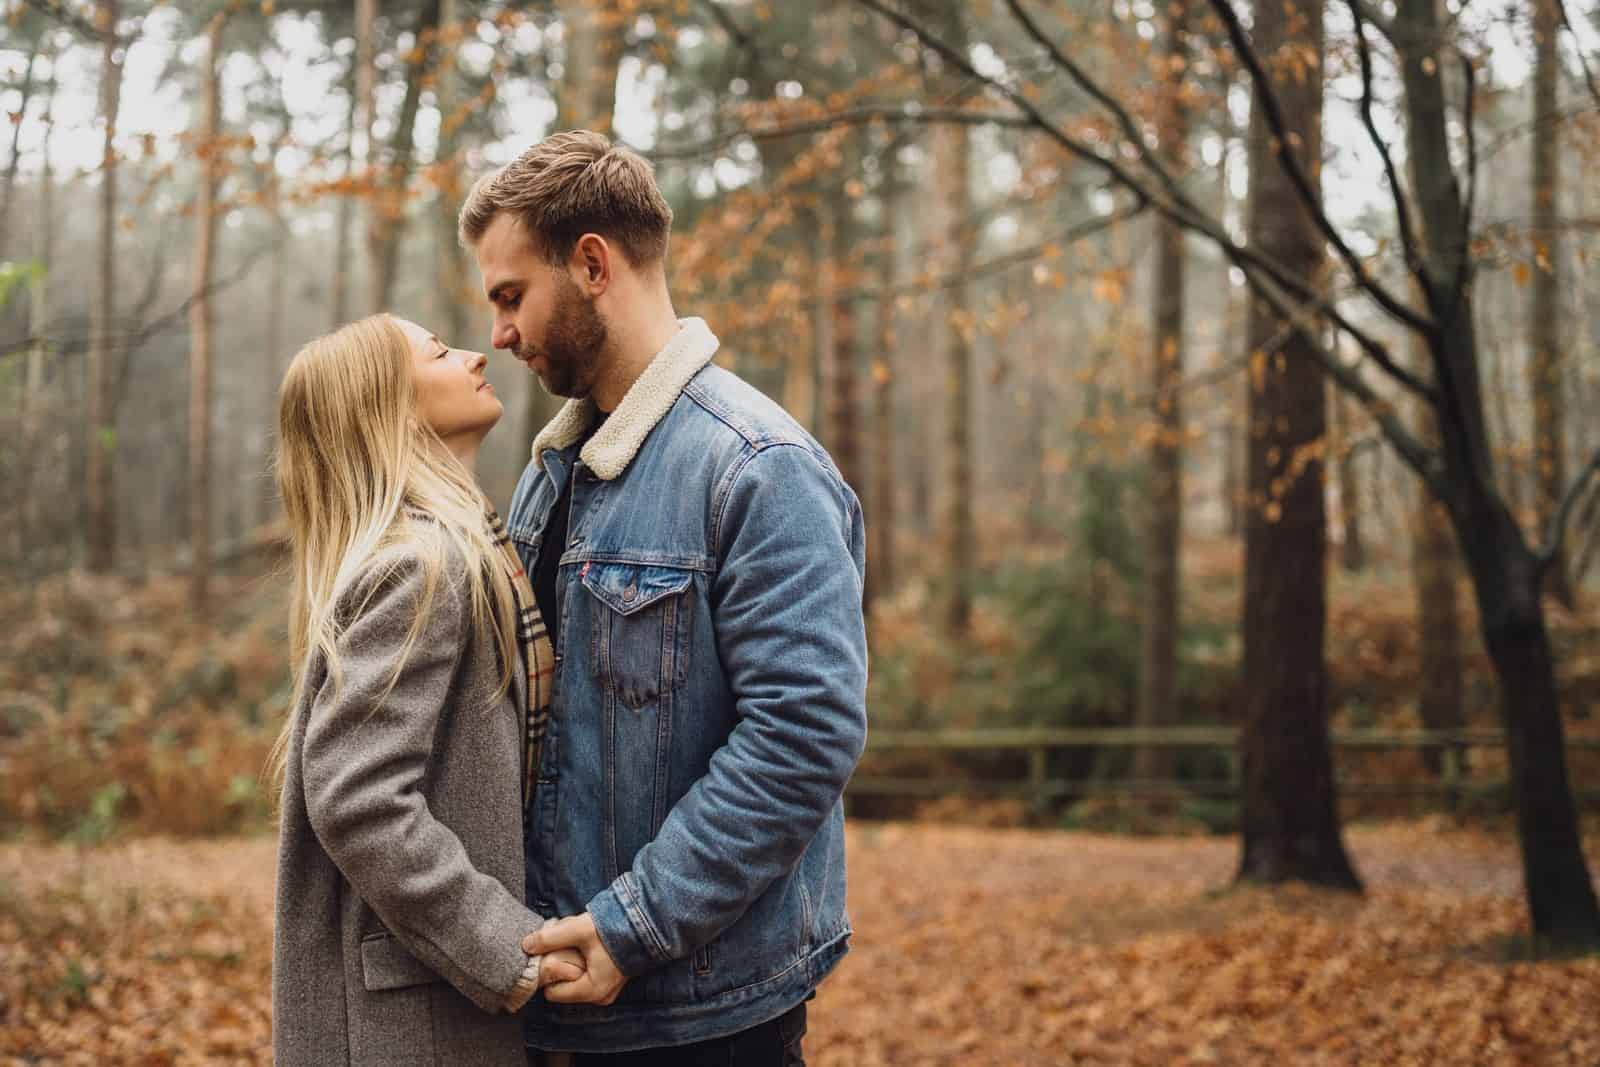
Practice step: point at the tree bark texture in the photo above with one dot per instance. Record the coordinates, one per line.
(1289, 810)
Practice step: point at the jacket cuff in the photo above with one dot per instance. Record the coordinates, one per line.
(526, 985)
(624, 929)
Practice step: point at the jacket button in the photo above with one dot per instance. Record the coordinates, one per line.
(630, 592)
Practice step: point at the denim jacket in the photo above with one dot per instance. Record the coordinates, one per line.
(709, 702)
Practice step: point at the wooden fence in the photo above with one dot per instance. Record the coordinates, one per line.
(1454, 784)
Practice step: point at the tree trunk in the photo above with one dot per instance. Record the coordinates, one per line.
(1544, 320)
(200, 320)
(1506, 582)
(100, 512)
(451, 282)
(34, 419)
(16, 138)
(1158, 667)
(274, 361)
(843, 436)
(1289, 809)
(1435, 566)
(881, 519)
(387, 218)
(1344, 447)
(951, 177)
(594, 33)
(339, 306)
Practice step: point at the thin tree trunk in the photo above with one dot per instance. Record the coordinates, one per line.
(33, 418)
(339, 307)
(1343, 446)
(951, 170)
(881, 520)
(16, 138)
(274, 360)
(1504, 569)
(800, 359)
(200, 320)
(100, 511)
(451, 281)
(1158, 667)
(843, 435)
(594, 32)
(1547, 386)
(1289, 810)
(386, 221)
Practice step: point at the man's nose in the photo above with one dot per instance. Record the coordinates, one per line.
(504, 336)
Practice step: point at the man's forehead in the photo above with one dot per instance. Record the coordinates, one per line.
(505, 253)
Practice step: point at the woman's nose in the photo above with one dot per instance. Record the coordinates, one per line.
(475, 361)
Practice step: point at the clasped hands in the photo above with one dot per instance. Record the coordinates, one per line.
(576, 968)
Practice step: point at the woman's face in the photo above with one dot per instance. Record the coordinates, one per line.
(452, 395)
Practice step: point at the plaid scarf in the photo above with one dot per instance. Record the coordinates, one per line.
(537, 655)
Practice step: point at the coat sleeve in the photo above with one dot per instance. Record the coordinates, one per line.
(366, 753)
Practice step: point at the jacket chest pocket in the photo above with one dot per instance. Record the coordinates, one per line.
(641, 628)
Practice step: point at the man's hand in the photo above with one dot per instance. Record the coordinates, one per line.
(601, 981)
(564, 965)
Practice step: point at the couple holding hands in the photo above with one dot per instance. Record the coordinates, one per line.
(564, 788)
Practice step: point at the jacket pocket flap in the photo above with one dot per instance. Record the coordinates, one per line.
(626, 588)
(385, 964)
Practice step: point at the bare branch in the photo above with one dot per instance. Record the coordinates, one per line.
(1588, 76)
(1130, 129)
(1268, 99)
(854, 117)
(1366, 11)
(1402, 207)
(1181, 210)
(1547, 555)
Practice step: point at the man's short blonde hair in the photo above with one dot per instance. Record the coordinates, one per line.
(571, 184)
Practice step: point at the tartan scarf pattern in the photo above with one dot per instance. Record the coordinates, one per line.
(533, 640)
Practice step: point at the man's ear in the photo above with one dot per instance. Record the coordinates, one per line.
(591, 264)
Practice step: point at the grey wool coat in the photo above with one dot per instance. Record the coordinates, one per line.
(400, 917)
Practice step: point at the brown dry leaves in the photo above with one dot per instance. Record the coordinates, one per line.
(972, 946)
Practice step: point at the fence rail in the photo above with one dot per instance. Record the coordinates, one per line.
(1453, 783)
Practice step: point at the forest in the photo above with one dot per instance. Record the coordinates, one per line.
(1216, 378)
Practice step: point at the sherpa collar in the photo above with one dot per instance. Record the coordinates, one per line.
(647, 402)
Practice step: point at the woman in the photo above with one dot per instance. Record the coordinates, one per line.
(421, 677)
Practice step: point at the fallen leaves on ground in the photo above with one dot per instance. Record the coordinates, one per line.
(971, 946)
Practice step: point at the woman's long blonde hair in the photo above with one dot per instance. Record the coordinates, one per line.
(353, 459)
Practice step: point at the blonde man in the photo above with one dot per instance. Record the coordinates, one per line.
(700, 562)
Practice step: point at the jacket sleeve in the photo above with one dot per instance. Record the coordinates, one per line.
(365, 757)
(786, 605)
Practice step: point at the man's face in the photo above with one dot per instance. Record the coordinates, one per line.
(541, 316)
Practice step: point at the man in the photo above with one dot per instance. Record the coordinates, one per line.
(699, 562)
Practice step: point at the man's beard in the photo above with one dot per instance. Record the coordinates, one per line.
(572, 345)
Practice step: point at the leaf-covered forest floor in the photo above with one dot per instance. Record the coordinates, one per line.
(972, 946)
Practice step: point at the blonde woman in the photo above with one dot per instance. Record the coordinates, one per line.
(421, 684)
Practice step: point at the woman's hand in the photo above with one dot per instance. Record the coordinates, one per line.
(562, 965)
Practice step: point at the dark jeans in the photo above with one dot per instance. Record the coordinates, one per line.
(772, 1044)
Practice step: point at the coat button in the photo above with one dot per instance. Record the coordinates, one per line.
(629, 593)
